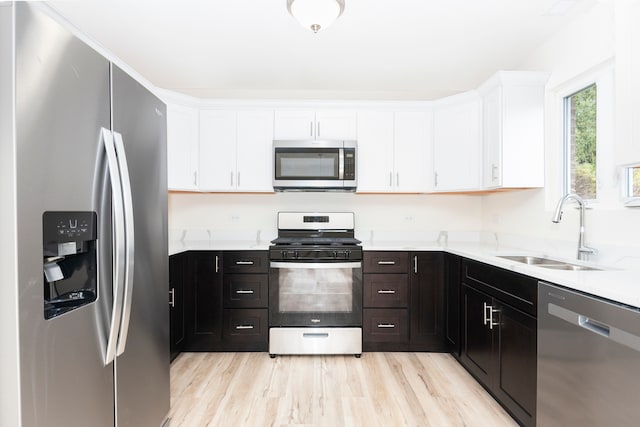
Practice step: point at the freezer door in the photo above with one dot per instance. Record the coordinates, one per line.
(142, 368)
(62, 102)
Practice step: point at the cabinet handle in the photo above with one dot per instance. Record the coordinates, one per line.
(238, 179)
(390, 179)
(217, 264)
(241, 291)
(415, 264)
(311, 129)
(494, 172)
(491, 312)
(244, 262)
(386, 325)
(386, 263)
(244, 326)
(397, 179)
(231, 176)
(172, 296)
(386, 291)
(484, 312)
(435, 179)
(195, 178)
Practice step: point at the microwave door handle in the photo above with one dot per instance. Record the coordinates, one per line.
(341, 163)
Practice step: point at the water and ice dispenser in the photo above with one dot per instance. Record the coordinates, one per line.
(69, 261)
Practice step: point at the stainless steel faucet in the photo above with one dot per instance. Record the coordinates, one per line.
(583, 250)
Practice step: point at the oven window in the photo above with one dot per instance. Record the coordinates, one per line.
(317, 164)
(315, 290)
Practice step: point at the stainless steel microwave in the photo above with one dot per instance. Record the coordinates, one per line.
(314, 165)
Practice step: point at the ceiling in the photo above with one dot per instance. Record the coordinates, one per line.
(378, 49)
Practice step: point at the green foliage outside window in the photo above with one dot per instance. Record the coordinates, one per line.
(583, 142)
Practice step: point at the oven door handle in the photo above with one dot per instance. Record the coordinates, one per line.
(315, 265)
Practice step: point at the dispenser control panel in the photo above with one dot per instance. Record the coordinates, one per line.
(69, 226)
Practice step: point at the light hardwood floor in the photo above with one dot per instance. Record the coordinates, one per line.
(379, 389)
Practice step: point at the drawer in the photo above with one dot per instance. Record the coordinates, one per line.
(385, 325)
(245, 262)
(245, 325)
(386, 290)
(385, 262)
(245, 290)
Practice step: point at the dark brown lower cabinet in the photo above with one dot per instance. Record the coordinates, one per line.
(177, 326)
(426, 302)
(245, 329)
(499, 349)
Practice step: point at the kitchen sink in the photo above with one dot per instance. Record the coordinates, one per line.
(548, 263)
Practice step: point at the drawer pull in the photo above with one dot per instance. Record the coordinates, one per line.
(315, 335)
(386, 263)
(244, 326)
(386, 325)
(244, 262)
(386, 291)
(241, 291)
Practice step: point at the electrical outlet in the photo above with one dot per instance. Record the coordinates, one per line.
(408, 218)
(235, 217)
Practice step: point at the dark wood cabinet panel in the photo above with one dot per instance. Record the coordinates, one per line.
(246, 290)
(246, 329)
(452, 303)
(498, 339)
(517, 365)
(177, 327)
(204, 301)
(245, 262)
(426, 289)
(385, 262)
(385, 329)
(386, 290)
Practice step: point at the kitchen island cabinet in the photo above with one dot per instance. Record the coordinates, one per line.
(499, 335)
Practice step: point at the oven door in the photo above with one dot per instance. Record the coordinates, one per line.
(321, 294)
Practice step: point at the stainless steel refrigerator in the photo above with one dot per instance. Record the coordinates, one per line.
(88, 194)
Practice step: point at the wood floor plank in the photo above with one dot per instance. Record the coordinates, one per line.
(379, 389)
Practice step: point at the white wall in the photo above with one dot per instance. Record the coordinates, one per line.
(381, 213)
(584, 45)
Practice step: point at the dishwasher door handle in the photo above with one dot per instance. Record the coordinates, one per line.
(604, 330)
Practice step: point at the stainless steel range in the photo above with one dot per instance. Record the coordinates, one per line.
(315, 285)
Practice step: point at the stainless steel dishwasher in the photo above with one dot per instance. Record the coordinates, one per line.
(588, 360)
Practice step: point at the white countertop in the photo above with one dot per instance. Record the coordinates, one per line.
(612, 283)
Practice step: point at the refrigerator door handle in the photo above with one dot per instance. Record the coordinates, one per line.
(106, 140)
(129, 241)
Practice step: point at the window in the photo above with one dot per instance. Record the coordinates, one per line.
(633, 181)
(580, 142)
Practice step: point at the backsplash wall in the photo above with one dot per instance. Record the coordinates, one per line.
(403, 213)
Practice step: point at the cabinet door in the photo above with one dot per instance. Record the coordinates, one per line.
(477, 342)
(246, 290)
(412, 162)
(294, 124)
(177, 276)
(204, 301)
(426, 290)
(182, 148)
(246, 329)
(337, 125)
(457, 145)
(218, 134)
(255, 151)
(452, 303)
(492, 135)
(375, 152)
(386, 290)
(516, 356)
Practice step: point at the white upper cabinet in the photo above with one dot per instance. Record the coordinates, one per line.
(627, 75)
(393, 151)
(310, 124)
(182, 148)
(457, 143)
(235, 150)
(513, 129)
(375, 151)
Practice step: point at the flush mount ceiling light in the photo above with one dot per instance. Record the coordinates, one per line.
(315, 15)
